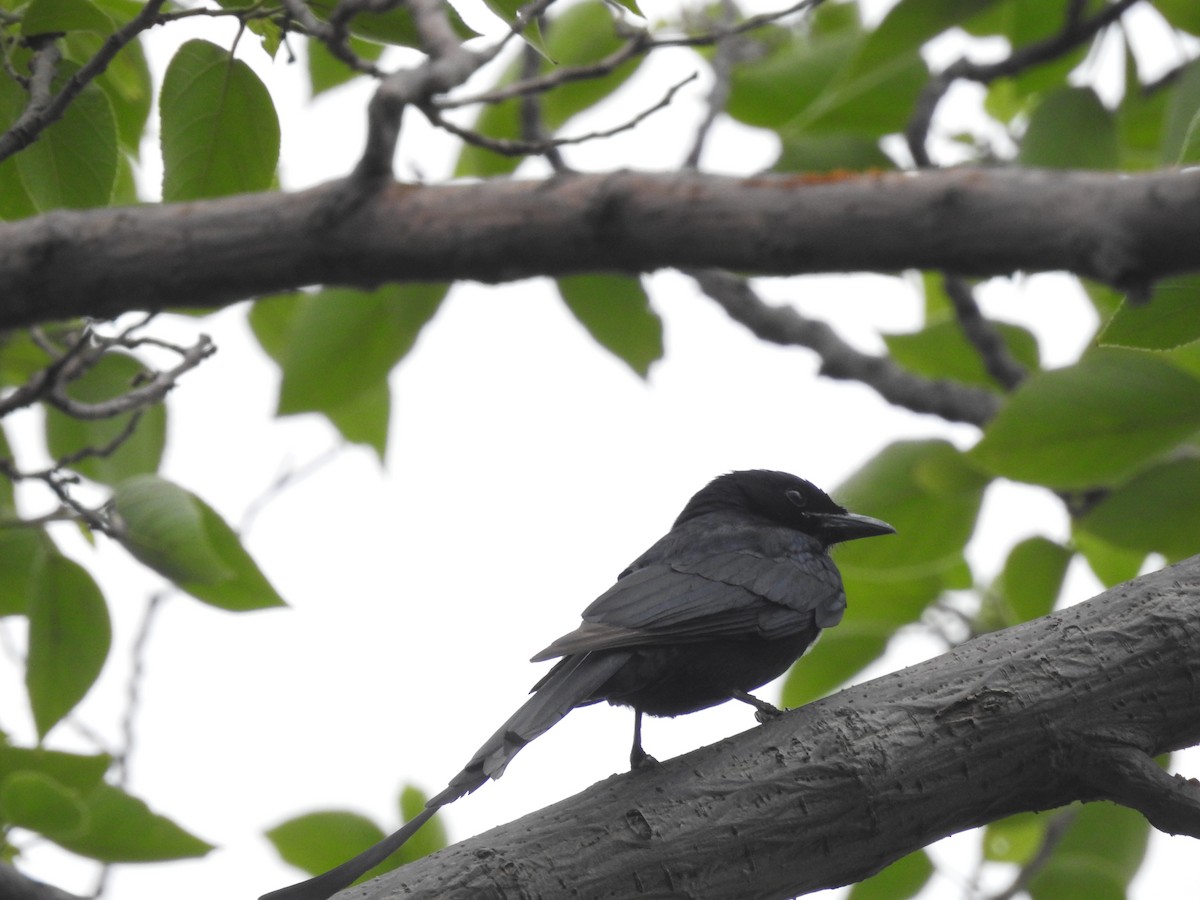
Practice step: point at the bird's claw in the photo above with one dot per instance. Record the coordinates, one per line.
(767, 713)
(643, 760)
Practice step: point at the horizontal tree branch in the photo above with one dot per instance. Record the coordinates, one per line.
(1072, 706)
(1126, 230)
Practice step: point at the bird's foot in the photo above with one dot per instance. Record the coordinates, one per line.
(640, 759)
(767, 713)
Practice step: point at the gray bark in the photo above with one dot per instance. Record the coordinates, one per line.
(1126, 230)
(1072, 706)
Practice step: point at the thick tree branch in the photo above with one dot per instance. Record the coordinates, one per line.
(1126, 230)
(1029, 718)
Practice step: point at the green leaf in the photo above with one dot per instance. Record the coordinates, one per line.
(429, 837)
(21, 551)
(112, 376)
(787, 72)
(364, 420)
(1156, 511)
(509, 11)
(220, 132)
(941, 351)
(180, 536)
(1182, 108)
(927, 491)
(902, 879)
(125, 81)
(73, 163)
(60, 16)
(616, 312)
(392, 27)
(1070, 129)
(1111, 564)
(318, 841)
(870, 101)
(1027, 587)
(878, 604)
(581, 35)
(1015, 839)
(1097, 857)
(326, 71)
(909, 24)
(330, 328)
(1093, 423)
(833, 153)
(1140, 120)
(69, 638)
(122, 828)
(34, 800)
(1169, 320)
(1183, 14)
(78, 772)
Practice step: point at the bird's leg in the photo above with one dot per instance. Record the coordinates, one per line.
(639, 758)
(765, 711)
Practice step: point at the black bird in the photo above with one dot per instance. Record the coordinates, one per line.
(730, 597)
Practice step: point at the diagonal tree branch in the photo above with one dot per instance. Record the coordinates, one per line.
(1029, 718)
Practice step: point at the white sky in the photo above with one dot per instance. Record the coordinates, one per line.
(526, 468)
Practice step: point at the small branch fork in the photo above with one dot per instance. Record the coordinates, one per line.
(83, 350)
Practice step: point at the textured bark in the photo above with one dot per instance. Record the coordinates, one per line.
(1127, 230)
(1072, 706)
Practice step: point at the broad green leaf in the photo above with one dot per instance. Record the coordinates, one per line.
(1097, 857)
(1182, 108)
(163, 527)
(318, 841)
(878, 604)
(1070, 129)
(909, 24)
(364, 420)
(52, 16)
(122, 828)
(392, 27)
(1015, 839)
(69, 638)
(1027, 587)
(34, 800)
(21, 551)
(509, 11)
(180, 536)
(928, 492)
(125, 81)
(326, 71)
(1156, 511)
(902, 879)
(1183, 14)
(220, 133)
(833, 153)
(73, 163)
(79, 772)
(430, 837)
(140, 453)
(1140, 120)
(871, 101)
(582, 34)
(1093, 423)
(941, 351)
(1189, 153)
(616, 312)
(788, 72)
(374, 330)
(1110, 563)
(1170, 319)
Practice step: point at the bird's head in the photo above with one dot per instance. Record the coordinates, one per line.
(778, 498)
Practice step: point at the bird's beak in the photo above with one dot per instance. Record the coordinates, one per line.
(838, 527)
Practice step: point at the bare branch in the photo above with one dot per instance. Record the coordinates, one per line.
(1075, 31)
(783, 325)
(983, 335)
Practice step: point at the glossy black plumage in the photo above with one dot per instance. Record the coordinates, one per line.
(726, 601)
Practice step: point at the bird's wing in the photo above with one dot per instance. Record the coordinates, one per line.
(734, 593)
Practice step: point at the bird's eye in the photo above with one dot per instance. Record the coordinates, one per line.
(797, 499)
